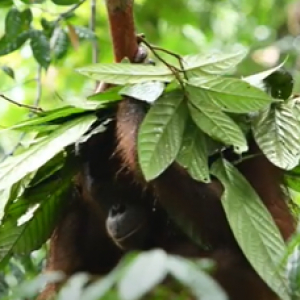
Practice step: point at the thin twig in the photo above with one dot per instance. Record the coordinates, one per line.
(172, 68)
(21, 104)
(35, 105)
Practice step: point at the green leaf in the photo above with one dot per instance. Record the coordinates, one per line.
(65, 2)
(194, 153)
(127, 73)
(16, 191)
(17, 22)
(16, 167)
(9, 236)
(277, 133)
(191, 276)
(60, 44)
(8, 45)
(133, 285)
(253, 227)
(13, 23)
(229, 94)
(147, 91)
(51, 167)
(161, 133)
(6, 3)
(8, 71)
(39, 228)
(40, 47)
(213, 64)
(216, 124)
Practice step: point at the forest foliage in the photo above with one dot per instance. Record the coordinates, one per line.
(211, 98)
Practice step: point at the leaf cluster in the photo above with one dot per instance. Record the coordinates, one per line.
(195, 112)
(48, 44)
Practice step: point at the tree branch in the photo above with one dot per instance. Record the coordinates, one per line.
(120, 14)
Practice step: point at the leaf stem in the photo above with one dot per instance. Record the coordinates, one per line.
(34, 107)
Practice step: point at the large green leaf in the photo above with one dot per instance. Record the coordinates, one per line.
(127, 73)
(194, 65)
(229, 94)
(15, 168)
(253, 226)
(277, 133)
(211, 120)
(191, 276)
(213, 64)
(161, 133)
(194, 153)
(134, 284)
